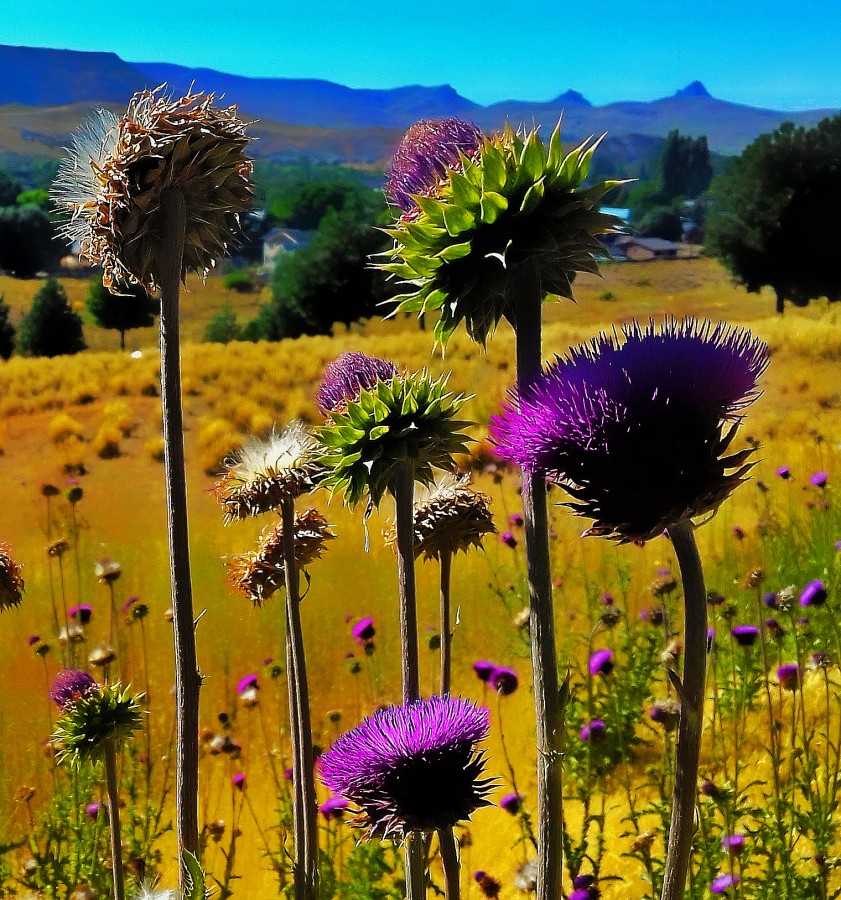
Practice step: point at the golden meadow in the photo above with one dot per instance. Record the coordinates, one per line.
(99, 413)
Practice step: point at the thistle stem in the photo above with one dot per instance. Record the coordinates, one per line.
(303, 773)
(446, 634)
(187, 678)
(547, 705)
(114, 819)
(404, 490)
(692, 710)
(449, 860)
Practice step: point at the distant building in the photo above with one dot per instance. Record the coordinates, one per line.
(692, 232)
(283, 240)
(638, 249)
(620, 212)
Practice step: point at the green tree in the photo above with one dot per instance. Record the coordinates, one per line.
(661, 222)
(685, 168)
(36, 197)
(223, 327)
(130, 309)
(10, 187)
(773, 221)
(50, 327)
(27, 241)
(7, 331)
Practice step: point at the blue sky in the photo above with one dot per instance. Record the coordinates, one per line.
(775, 53)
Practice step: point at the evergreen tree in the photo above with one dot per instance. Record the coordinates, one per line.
(9, 188)
(130, 309)
(223, 327)
(27, 241)
(50, 327)
(685, 169)
(7, 331)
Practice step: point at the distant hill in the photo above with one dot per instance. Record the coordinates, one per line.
(45, 93)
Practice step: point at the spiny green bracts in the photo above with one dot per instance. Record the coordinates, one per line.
(515, 204)
(107, 713)
(404, 418)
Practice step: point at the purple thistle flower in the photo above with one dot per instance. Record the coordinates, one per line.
(238, 781)
(710, 638)
(249, 682)
(771, 600)
(581, 894)
(774, 628)
(333, 808)
(814, 594)
(595, 732)
(363, 630)
(413, 767)
(483, 669)
(837, 546)
(710, 789)
(348, 375)
(634, 431)
(288, 774)
(507, 538)
(429, 149)
(511, 803)
(601, 662)
(819, 479)
(733, 843)
(745, 635)
(82, 613)
(789, 676)
(723, 883)
(516, 520)
(583, 882)
(71, 685)
(504, 680)
(784, 472)
(33, 639)
(93, 809)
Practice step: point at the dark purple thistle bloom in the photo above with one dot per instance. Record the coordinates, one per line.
(745, 635)
(837, 546)
(774, 628)
(348, 375)
(733, 843)
(333, 808)
(33, 639)
(507, 538)
(583, 882)
(511, 803)
(238, 781)
(363, 630)
(413, 767)
(582, 894)
(710, 789)
(819, 479)
(784, 472)
(247, 683)
(789, 676)
(483, 669)
(635, 431)
(93, 809)
(516, 520)
(81, 613)
(504, 680)
(71, 685)
(814, 594)
(595, 732)
(428, 151)
(601, 662)
(723, 883)
(126, 608)
(771, 600)
(710, 638)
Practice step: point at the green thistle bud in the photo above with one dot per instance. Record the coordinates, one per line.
(106, 713)
(513, 208)
(405, 418)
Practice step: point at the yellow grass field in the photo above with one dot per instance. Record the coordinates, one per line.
(62, 413)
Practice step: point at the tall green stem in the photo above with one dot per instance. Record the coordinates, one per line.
(303, 774)
(547, 705)
(444, 614)
(114, 819)
(404, 491)
(688, 748)
(187, 678)
(449, 860)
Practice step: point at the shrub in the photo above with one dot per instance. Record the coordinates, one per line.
(106, 443)
(50, 328)
(223, 327)
(240, 282)
(154, 448)
(7, 331)
(62, 427)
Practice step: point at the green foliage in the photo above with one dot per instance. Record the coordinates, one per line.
(130, 309)
(685, 167)
(50, 327)
(108, 714)
(27, 241)
(774, 216)
(223, 327)
(408, 418)
(196, 885)
(35, 197)
(660, 222)
(240, 282)
(10, 187)
(7, 331)
(312, 202)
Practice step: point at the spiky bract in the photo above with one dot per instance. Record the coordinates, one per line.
(408, 418)
(258, 575)
(516, 208)
(112, 184)
(412, 768)
(11, 579)
(105, 713)
(635, 431)
(267, 470)
(349, 374)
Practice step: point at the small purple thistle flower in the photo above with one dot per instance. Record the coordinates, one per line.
(413, 767)
(745, 635)
(734, 844)
(511, 803)
(710, 638)
(722, 883)
(771, 600)
(601, 662)
(710, 789)
(837, 546)
(93, 809)
(583, 882)
(238, 781)
(507, 538)
(819, 479)
(504, 680)
(71, 685)
(814, 594)
(595, 421)
(773, 627)
(363, 630)
(483, 669)
(789, 676)
(333, 808)
(516, 520)
(33, 639)
(248, 683)
(784, 472)
(581, 894)
(595, 732)
(348, 375)
(81, 613)
(428, 150)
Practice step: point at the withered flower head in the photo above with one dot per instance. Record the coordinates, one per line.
(11, 580)
(268, 469)
(258, 575)
(119, 170)
(58, 548)
(107, 571)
